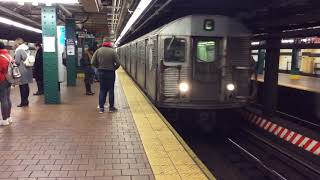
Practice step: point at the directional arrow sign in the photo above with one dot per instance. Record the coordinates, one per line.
(70, 50)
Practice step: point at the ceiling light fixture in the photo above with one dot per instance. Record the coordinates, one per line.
(19, 25)
(35, 3)
(44, 1)
(97, 5)
(143, 4)
(21, 3)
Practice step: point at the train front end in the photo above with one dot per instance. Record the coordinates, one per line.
(206, 66)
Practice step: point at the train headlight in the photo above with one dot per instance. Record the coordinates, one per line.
(230, 87)
(184, 87)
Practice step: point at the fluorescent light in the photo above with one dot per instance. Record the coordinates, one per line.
(35, 3)
(21, 3)
(45, 1)
(255, 43)
(143, 4)
(287, 41)
(19, 25)
(48, 4)
(97, 5)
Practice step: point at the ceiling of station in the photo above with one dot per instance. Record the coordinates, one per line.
(260, 16)
(94, 16)
(108, 17)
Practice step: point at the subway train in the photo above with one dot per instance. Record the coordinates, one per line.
(195, 62)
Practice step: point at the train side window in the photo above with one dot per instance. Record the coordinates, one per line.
(174, 49)
(206, 51)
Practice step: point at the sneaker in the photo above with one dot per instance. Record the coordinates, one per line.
(105, 106)
(89, 93)
(10, 120)
(38, 93)
(101, 110)
(113, 109)
(4, 122)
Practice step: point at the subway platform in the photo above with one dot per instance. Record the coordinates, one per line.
(73, 141)
(305, 83)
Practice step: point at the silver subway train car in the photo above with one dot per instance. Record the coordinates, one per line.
(195, 62)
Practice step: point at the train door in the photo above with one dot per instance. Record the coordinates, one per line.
(152, 66)
(206, 72)
(124, 56)
(128, 59)
(134, 60)
(141, 64)
(145, 64)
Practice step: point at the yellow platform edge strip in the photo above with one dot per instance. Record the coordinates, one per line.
(294, 76)
(189, 151)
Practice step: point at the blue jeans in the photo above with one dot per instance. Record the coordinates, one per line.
(96, 74)
(107, 79)
(5, 100)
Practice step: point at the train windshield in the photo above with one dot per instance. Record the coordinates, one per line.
(206, 51)
(174, 49)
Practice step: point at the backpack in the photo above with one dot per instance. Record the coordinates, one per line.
(13, 74)
(29, 62)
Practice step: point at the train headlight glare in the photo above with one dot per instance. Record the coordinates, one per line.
(230, 87)
(184, 87)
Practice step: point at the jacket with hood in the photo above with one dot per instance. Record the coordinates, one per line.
(105, 58)
(38, 65)
(20, 56)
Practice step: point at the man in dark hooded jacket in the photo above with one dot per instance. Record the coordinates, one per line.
(38, 70)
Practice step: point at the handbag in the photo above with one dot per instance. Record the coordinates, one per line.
(13, 74)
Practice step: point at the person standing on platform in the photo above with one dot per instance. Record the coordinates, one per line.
(5, 59)
(38, 70)
(21, 54)
(95, 78)
(105, 59)
(85, 62)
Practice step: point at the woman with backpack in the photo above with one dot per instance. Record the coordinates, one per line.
(21, 55)
(5, 58)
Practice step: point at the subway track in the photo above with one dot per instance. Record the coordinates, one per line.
(277, 162)
(302, 122)
(298, 103)
(240, 153)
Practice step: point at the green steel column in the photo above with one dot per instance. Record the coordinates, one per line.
(294, 63)
(261, 59)
(71, 52)
(50, 56)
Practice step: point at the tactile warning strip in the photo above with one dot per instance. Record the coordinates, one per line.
(304, 142)
(167, 156)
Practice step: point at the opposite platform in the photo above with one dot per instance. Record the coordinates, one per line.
(306, 83)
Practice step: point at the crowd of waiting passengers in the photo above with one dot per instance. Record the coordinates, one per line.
(97, 64)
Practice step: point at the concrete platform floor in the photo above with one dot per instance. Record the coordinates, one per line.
(71, 140)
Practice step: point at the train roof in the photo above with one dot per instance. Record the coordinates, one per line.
(193, 25)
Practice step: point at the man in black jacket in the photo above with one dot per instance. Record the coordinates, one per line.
(38, 70)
